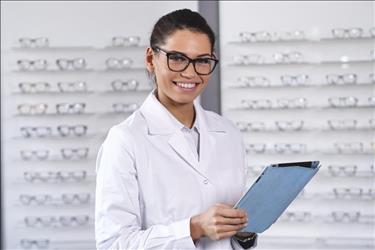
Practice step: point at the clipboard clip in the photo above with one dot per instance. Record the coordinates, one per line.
(304, 164)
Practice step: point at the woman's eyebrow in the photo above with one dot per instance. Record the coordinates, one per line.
(207, 54)
(179, 52)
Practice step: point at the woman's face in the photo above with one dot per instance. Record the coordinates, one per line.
(180, 87)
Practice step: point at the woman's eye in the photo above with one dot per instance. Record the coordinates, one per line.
(203, 60)
(177, 57)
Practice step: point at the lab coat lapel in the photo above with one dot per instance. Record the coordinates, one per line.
(210, 129)
(208, 142)
(161, 123)
(180, 145)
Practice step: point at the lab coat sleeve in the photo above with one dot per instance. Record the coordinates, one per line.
(117, 208)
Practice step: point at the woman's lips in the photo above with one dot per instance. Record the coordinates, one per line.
(186, 85)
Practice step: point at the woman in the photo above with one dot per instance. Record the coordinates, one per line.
(168, 176)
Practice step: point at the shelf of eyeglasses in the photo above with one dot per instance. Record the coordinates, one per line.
(341, 102)
(54, 92)
(54, 71)
(62, 131)
(72, 154)
(303, 242)
(302, 63)
(270, 129)
(301, 126)
(56, 222)
(241, 108)
(348, 194)
(340, 194)
(292, 58)
(65, 109)
(49, 243)
(56, 177)
(35, 45)
(58, 137)
(122, 112)
(64, 199)
(79, 87)
(365, 197)
(338, 148)
(336, 217)
(301, 40)
(82, 114)
(347, 170)
(263, 36)
(77, 64)
(295, 85)
(301, 80)
(62, 109)
(77, 48)
(81, 71)
(48, 48)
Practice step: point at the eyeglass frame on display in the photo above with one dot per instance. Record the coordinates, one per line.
(54, 176)
(31, 65)
(70, 64)
(118, 64)
(33, 42)
(32, 109)
(70, 108)
(125, 107)
(125, 41)
(128, 85)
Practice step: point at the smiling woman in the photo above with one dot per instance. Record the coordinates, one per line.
(179, 78)
(169, 175)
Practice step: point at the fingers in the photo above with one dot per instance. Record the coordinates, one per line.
(230, 228)
(230, 212)
(229, 221)
(223, 221)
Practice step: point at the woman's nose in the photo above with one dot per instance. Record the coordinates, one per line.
(189, 71)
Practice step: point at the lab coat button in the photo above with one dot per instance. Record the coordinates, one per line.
(205, 181)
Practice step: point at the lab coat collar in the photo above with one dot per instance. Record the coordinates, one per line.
(161, 122)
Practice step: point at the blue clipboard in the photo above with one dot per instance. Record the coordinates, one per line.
(276, 187)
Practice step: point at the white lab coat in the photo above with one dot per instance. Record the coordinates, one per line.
(150, 183)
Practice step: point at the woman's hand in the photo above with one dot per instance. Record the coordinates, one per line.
(218, 222)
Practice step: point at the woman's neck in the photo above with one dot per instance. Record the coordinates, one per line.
(184, 113)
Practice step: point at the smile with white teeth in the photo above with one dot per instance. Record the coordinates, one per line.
(186, 85)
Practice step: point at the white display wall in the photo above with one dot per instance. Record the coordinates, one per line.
(300, 91)
(55, 114)
(48, 194)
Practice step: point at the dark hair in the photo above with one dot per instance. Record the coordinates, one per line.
(179, 20)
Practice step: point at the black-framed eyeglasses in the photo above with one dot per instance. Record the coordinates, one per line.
(178, 62)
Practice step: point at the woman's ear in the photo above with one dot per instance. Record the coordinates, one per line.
(149, 60)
